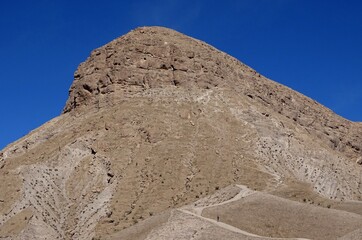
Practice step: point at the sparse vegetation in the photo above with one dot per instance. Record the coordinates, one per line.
(156, 121)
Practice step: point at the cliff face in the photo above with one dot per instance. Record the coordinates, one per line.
(150, 58)
(157, 58)
(156, 120)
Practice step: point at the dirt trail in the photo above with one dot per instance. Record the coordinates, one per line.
(244, 192)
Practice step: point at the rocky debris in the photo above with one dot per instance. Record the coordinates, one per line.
(359, 161)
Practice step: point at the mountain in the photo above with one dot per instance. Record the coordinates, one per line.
(165, 137)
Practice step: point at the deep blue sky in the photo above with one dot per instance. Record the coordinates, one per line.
(312, 46)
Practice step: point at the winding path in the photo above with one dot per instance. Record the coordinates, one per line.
(244, 192)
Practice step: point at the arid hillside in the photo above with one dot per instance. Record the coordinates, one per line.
(166, 137)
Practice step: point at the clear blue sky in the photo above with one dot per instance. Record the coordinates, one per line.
(312, 46)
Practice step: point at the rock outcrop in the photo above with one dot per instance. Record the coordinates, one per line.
(156, 120)
(156, 57)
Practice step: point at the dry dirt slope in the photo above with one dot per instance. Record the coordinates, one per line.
(156, 120)
(237, 212)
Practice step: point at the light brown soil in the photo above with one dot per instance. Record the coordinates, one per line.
(157, 120)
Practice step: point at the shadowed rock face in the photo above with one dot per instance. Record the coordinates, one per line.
(156, 120)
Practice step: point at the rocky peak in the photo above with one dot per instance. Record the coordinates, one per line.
(157, 58)
(150, 57)
(157, 120)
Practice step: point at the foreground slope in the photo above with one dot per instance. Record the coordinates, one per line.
(237, 212)
(156, 120)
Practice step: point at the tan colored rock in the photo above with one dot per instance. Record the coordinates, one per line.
(156, 120)
(156, 58)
